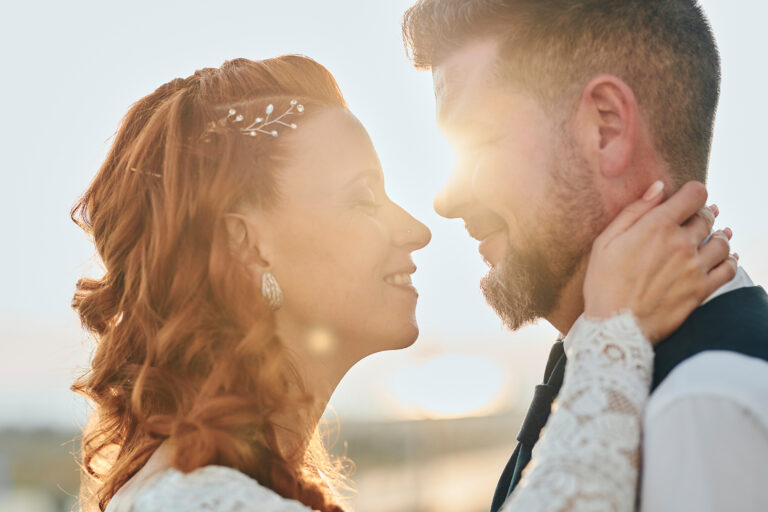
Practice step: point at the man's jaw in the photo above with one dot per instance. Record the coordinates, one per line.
(522, 287)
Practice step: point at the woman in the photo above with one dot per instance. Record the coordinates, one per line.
(252, 257)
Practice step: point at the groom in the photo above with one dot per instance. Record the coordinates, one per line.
(561, 112)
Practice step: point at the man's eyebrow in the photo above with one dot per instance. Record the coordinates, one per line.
(455, 116)
(458, 115)
(447, 97)
(462, 123)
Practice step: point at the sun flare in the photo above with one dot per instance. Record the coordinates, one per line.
(449, 386)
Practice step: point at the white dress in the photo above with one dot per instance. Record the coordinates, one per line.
(587, 458)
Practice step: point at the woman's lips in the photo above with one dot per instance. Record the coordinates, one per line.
(401, 280)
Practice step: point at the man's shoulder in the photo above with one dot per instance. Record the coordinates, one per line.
(735, 321)
(705, 436)
(714, 375)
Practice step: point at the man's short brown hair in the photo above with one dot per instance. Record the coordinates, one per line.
(663, 49)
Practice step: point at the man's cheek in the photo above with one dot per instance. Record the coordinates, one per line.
(495, 182)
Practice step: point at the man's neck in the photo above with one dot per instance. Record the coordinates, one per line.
(570, 303)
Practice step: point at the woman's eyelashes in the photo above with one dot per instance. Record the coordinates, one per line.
(365, 199)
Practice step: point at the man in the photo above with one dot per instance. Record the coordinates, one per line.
(562, 112)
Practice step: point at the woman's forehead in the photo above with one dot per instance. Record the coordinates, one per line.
(330, 147)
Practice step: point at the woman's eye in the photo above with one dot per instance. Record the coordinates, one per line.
(367, 200)
(369, 205)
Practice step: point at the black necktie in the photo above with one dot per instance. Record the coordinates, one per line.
(534, 421)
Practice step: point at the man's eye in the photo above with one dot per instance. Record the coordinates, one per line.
(474, 150)
(485, 143)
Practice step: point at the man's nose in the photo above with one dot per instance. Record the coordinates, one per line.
(455, 193)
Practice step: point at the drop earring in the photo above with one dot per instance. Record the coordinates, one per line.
(271, 291)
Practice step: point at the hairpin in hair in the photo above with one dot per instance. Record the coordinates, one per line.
(133, 169)
(264, 124)
(259, 125)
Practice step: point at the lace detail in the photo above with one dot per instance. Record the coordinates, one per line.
(588, 455)
(211, 488)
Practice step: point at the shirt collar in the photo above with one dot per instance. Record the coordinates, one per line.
(740, 280)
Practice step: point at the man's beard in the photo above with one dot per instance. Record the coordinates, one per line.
(528, 283)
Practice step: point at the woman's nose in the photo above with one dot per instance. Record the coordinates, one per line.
(412, 234)
(421, 235)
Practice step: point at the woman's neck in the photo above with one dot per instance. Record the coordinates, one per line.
(321, 366)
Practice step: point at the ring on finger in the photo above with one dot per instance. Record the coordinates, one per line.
(720, 234)
(707, 214)
(733, 259)
(725, 234)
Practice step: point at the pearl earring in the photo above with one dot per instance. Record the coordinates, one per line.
(271, 291)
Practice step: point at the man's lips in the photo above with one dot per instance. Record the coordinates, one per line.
(481, 227)
(491, 231)
(492, 246)
(480, 234)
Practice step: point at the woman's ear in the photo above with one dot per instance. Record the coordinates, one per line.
(244, 240)
(606, 124)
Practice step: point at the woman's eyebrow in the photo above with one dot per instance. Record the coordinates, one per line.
(372, 174)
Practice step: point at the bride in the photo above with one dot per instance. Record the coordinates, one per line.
(252, 257)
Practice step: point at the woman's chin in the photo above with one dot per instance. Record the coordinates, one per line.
(411, 339)
(403, 338)
(406, 338)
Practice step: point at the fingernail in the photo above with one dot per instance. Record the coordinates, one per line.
(654, 191)
(736, 256)
(714, 209)
(728, 233)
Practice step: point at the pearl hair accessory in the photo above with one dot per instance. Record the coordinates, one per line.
(271, 291)
(259, 125)
(266, 125)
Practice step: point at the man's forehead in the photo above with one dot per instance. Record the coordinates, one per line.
(463, 75)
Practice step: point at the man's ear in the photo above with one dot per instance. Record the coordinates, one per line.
(606, 124)
(244, 240)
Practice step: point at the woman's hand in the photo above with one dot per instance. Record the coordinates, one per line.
(651, 260)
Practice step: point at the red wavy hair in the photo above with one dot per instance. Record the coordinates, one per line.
(186, 347)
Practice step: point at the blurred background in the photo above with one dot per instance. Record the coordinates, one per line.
(429, 428)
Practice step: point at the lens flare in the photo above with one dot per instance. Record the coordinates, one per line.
(449, 386)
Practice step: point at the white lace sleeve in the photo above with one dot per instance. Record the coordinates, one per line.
(588, 455)
(211, 488)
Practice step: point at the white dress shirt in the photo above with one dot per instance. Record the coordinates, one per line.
(705, 445)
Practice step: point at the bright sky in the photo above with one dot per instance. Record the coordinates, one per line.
(72, 69)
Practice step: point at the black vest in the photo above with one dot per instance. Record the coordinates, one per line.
(736, 321)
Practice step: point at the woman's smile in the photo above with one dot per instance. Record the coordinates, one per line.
(402, 280)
